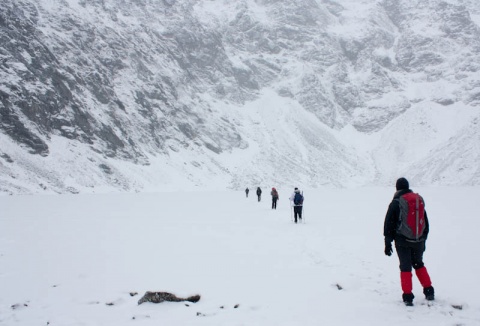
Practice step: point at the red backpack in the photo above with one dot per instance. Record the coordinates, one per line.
(411, 222)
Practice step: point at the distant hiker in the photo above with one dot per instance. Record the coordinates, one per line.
(259, 193)
(297, 201)
(247, 191)
(406, 222)
(274, 194)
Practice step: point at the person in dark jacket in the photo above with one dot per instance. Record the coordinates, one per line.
(259, 193)
(247, 191)
(274, 194)
(410, 252)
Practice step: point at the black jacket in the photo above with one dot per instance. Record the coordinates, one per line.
(392, 221)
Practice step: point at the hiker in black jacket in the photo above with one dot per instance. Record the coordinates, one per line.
(410, 251)
(259, 193)
(247, 191)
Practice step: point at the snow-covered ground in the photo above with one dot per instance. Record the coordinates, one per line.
(74, 259)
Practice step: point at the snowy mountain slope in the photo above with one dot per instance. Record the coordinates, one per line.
(170, 93)
(294, 148)
(436, 140)
(458, 154)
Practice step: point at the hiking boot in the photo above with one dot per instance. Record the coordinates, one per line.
(408, 299)
(429, 293)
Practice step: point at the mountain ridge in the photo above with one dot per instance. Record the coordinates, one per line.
(175, 85)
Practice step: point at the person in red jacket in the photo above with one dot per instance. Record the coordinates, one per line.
(409, 249)
(274, 194)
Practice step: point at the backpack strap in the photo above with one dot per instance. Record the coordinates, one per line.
(417, 208)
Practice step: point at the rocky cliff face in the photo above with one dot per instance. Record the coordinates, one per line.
(94, 85)
(86, 74)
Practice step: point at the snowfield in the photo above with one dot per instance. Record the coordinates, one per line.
(73, 260)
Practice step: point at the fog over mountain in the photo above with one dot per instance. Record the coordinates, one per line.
(102, 95)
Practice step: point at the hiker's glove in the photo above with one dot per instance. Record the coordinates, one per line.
(388, 249)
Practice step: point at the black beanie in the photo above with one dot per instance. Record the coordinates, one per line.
(402, 183)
